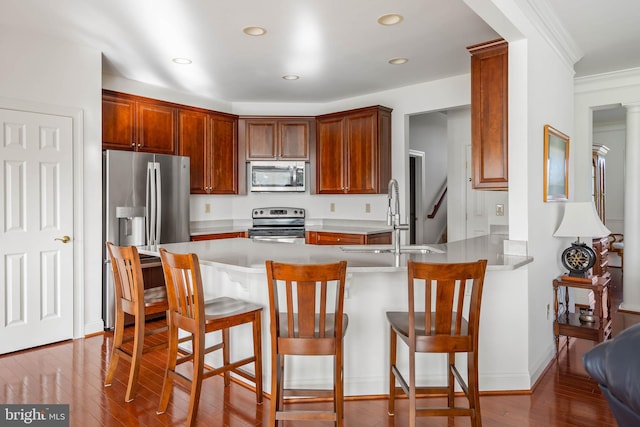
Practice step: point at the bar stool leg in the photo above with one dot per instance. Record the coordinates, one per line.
(392, 378)
(257, 351)
(136, 355)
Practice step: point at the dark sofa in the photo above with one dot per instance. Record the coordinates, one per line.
(615, 365)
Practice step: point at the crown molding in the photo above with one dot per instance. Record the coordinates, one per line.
(609, 80)
(545, 20)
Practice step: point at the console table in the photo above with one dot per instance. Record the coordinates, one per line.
(569, 324)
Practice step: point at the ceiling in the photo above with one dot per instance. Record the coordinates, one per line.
(336, 47)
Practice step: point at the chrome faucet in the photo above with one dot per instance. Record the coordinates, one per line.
(393, 218)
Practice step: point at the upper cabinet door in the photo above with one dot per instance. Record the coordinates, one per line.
(293, 139)
(156, 128)
(330, 174)
(260, 139)
(362, 159)
(489, 109)
(193, 142)
(118, 123)
(223, 166)
(276, 138)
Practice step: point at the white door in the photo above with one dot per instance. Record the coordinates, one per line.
(36, 213)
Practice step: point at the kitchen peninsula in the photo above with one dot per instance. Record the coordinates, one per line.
(376, 283)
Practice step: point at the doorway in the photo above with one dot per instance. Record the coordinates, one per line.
(38, 297)
(416, 209)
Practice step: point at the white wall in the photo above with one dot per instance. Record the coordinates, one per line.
(42, 70)
(428, 134)
(614, 136)
(459, 141)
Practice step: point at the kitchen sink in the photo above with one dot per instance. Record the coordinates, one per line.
(387, 249)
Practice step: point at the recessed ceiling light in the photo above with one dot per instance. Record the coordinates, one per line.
(398, 61)
(182, 61)
(291, 77)
(390, 19)
(254, 31)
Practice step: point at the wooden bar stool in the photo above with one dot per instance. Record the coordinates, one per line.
(305, 322)
(131, 298)
(448, 325)
(189, 312)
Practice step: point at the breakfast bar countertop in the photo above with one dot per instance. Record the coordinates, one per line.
(249, 255)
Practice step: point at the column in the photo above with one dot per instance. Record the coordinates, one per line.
(631, 274)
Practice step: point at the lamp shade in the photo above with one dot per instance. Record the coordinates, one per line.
(581, 219)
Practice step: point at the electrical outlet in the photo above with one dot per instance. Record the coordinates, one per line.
(207, 208)
(499, 210)
(332, 207)
(367, 207)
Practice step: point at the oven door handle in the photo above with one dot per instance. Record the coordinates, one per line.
(283, 239)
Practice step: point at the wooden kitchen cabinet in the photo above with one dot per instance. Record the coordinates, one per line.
(489, 109)
(332, 238)
(217, 236)
(223, 140)
(353, 151)
(156, 125)
(138, 124)
(193, 136)
(118, 123)
(276, 138)
(209, 140)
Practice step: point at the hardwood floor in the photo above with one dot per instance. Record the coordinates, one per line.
(73, 373)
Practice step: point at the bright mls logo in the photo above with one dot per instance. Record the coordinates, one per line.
(34, 415)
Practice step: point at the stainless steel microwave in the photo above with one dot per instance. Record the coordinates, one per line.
(277, 176)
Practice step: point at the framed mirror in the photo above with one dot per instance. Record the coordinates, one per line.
(556, 165)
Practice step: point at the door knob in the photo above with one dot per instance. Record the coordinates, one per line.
(64, 239)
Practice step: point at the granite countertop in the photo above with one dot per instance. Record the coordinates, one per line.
(248, 255)
(349, 229)
(329, 226)
(217, 227)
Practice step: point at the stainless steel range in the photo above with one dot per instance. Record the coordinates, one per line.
(278, 224)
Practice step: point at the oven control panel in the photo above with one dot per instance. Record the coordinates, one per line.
(277, 213)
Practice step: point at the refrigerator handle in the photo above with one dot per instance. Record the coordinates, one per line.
(151, 205)
(158, 191)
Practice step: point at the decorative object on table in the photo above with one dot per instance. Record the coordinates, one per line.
(556, 165)
(580, 219)
(586, 315)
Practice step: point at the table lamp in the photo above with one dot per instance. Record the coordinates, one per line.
(580, 219)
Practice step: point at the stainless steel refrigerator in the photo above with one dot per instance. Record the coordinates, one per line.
(146, 202)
